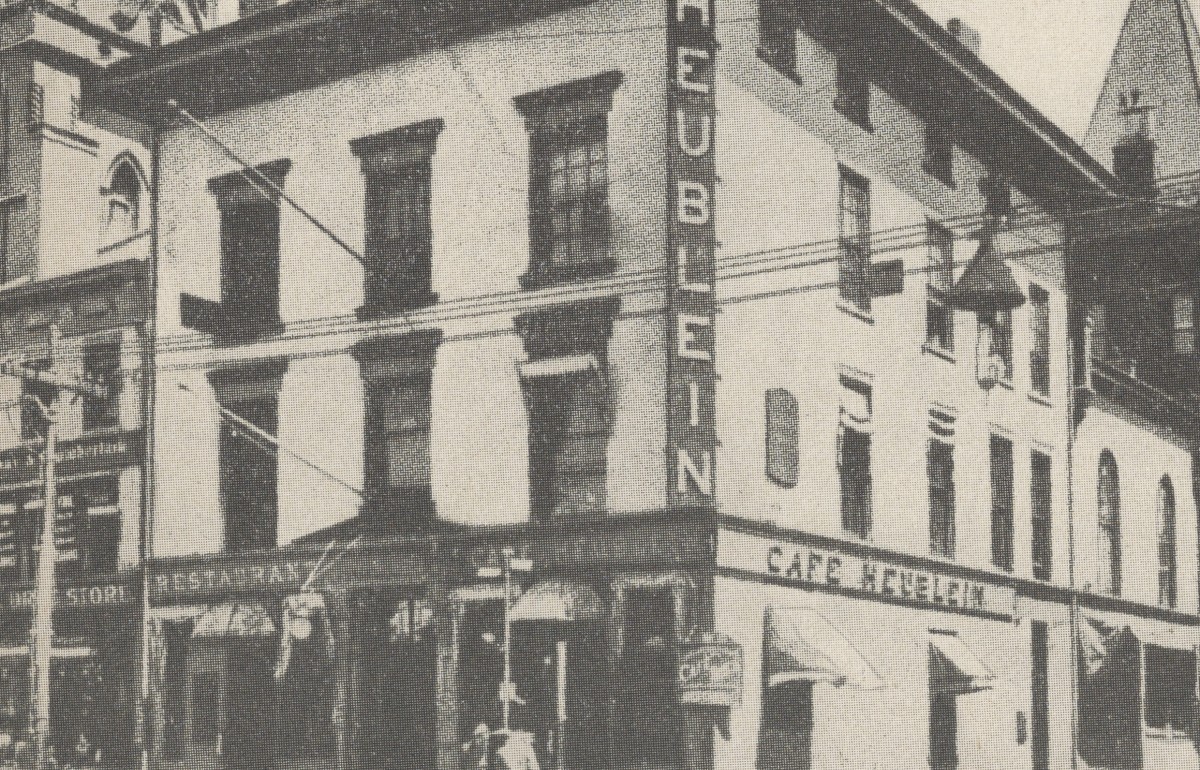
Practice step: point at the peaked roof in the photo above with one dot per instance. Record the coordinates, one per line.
(1156, 58)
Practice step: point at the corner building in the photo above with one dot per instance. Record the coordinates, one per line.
(650, 302)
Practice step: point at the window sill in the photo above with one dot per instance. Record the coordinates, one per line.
(1167, 734)
(939, 352)
(544, 275)
(1041, 400)
(854, 311)
(375, 310)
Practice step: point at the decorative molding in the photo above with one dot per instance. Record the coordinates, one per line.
(241, 186)
(399, 147)
(571, 102)
(237, 382)
(584, 326)
(407, 355)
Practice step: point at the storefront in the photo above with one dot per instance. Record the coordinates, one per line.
(857, 658)
(370, 650)
(95, 674)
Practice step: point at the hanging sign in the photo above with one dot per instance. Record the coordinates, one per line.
(710, 670)
(691, 252)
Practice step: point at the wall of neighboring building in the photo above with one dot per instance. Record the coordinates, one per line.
(781, 144)
(480, 248)
(1144, 455)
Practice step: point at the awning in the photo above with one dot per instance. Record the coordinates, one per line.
(234, 620)
(954, 668)
(560, 366)
(560, 600)
(801, 645)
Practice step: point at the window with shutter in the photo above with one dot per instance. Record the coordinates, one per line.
(1167, 578)
(782, 437)
(1041, 509)
(1039, 332)
(854, 458)
(854, 264)
(941, 498)
(939, 316)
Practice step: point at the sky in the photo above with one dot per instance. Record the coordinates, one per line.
(1053, 52)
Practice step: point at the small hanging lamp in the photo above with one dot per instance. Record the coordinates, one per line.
(987, 286)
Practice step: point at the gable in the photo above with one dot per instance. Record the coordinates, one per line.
(1156, 59)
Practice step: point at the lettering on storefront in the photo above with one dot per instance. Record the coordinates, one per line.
(214, 579)
(87, 455)
(710, 671)
(691, 252)
(110, 595)
(813, 567)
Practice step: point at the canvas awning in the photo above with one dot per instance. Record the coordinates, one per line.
(563, 601)
(801, 645)
(234, 620)
(954, 668)
(560, 366)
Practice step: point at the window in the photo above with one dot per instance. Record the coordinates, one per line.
(565, 384)
(941, 498)
(996, 348)
(397, 377)
(939, 152)
(854, 458)
(570, 227)
(1170, 689)
(786, 729)
(1183, 324)
(1039, 333)
(1002, 502)
(776, 36)
(87, 531)
(102, 366)
(1133, 163)
(783, 437)
(122, 201)
(1167, 580)
(853, 97)
(1041, 506)
(997, 196)
(249, 236)
(248, 464)
(1040, 695)
(568, 446)
(854, 227)
(943, 731)
(398, 170)
(939, 316)
(1108, 494)
(33, 419)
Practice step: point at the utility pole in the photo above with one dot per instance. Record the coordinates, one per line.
(46, 587)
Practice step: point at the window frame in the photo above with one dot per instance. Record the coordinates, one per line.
(854, 239)
(854, 463)
(1108, 494)
(782, 437)
(1041, 504)
(1002, 474)
(559, 120)
(103, 412)
(34, 425)
(942, 501)
(1039, 340)
(1185, 692)
(939, 315)
(1167, 542)
(552, 437)
(938, 160)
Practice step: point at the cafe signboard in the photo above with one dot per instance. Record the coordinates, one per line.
(839, 570)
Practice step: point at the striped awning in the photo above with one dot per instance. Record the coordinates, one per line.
(954, 668)
(561, 601)
(234, 620)
(802, 646)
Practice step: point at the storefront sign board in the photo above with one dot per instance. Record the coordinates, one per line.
(76, 597)
(876, 577)
(92, 454)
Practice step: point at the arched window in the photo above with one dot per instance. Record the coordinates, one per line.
(122, 199)
(1167, 577)
(1108, 493)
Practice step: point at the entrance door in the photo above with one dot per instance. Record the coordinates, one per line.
(943, 732)
(204, 696)
(250, 709)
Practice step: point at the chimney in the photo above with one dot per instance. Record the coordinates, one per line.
(965, 34)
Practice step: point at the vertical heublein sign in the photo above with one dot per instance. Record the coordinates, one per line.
(691, 252)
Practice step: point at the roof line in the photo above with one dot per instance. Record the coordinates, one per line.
(1191, 36)
(908, 14)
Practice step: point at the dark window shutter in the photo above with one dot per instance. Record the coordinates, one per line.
(783, 437)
